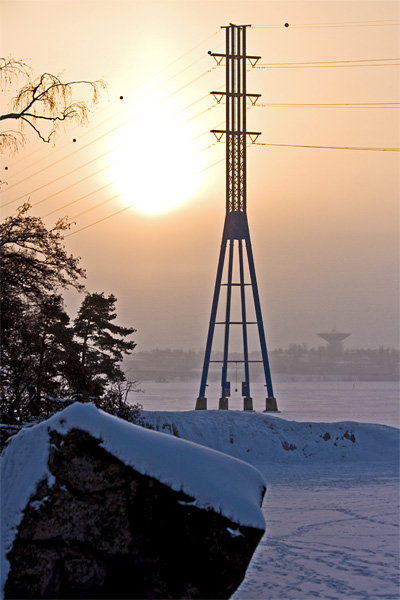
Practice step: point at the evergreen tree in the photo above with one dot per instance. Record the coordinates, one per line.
(34, 356)
(102, 345)
(34, 326)
(42, 357)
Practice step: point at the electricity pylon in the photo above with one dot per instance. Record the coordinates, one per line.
(236, 225)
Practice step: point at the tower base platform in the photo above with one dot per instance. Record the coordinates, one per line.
(247, 403)
(271, 405)
(223, 404)
(201, 404)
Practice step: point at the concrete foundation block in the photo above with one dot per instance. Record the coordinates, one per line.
(270, 405)
(223, 404)
(201, 404)
(247, 403)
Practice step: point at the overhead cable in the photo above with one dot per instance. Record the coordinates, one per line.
(60, 177)
(377, 23)
(374, 149)
(129, 206)
(381, 105)
(150, 78)
(73, 184)
(100, 188)
(375, 62)
(79, 199)
(115, 129)
(100, 220)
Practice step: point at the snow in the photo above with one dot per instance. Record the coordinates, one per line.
(18, 482)
(331, 511)
(329, 536)
(216, 481)
(269, 439)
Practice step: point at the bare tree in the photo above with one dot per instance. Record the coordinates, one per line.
(43, 102)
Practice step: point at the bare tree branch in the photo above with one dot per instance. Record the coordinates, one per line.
(42, 102)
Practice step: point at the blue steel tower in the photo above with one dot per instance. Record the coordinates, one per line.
(236, 235)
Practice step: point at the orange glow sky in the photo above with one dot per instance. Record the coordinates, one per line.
(324, 222)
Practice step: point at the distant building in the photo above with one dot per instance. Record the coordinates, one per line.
(334, 339)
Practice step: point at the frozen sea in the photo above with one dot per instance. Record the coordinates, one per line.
(365, 402)
(333, 521)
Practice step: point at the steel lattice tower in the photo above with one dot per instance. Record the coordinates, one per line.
(236, 225)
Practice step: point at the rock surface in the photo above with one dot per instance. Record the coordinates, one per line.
(98, 528)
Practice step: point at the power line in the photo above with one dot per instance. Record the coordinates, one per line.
(107, 133)
(128, 120)
(92, 175)
(272, 65)
(115, 129)
(381, 105)
(83, 212)
(221, 160)
(139, 86)
(378, 23)
(100, 220)
(87, 177)
(331, 147)
(124, 123)
(204, 132)
(60, 177)
(205, 168)
(79, 199)
(326, 65)
(218, 162)
(74, 184)
(100, 188)
(325, 62)
(82, 180)
(126, 207)
(102, 156)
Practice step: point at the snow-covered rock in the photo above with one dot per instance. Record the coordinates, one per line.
(95, 507)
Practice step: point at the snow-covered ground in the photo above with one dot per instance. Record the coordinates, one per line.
(333, 536)
(212, 479)
(330, 459)
(332, 511)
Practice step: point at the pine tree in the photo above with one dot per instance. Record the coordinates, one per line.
(34, 326)
(34, 354)
(102, 345)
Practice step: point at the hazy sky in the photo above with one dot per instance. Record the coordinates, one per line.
(324, 222)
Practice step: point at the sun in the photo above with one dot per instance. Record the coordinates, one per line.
(154, 170)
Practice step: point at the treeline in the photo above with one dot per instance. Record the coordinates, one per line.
(45, 357)
(381, 364)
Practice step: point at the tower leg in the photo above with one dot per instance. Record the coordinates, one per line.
(244, 318)
(211, 327)
(227, 324)
(264, 352)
